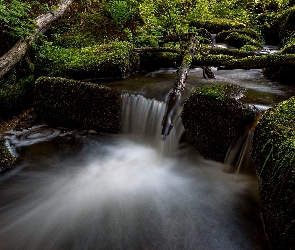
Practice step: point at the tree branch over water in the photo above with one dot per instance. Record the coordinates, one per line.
(17, 52)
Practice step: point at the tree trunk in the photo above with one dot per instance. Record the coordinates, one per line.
(14, 55)
(174, 97)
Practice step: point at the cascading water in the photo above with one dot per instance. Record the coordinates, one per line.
(118, 192)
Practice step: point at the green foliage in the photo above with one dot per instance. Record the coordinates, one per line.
(239, 40)
(248, 47)
(289, 45)
(15, 98)
(113, 60)
(121, 10)
(14, 18)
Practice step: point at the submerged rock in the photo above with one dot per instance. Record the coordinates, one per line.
(73, 104)
(273, 151)
(213, 118)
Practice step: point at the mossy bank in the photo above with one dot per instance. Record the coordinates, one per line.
(112, 60)
(273, 153)
(73, 104)
(213, 118)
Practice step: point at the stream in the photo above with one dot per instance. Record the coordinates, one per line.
(132, 191)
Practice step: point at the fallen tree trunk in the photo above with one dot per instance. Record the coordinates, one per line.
(174, 97)
(156, 49)
(14, 55)
(251, 62)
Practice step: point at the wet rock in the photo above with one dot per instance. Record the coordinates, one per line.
(213, 118)
(73, 104)
(273, 155)
(7, 159)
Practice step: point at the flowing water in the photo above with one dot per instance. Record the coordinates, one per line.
(128, 191)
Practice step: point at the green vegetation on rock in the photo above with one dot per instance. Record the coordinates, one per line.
(216, 25)
(112, 60)
(273, 152)
(73, 104)
(239, 40)
(7, 159)
(213, 118)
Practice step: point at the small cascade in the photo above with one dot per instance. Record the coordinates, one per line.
(238, 159)
(213, 38)
(141, 122)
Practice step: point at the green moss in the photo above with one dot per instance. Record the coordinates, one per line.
(213, 118)
(216, 25)
(220, 91)
(239, 40)
(73, 104)
(211, 60)
(113, 60)
(289, 49)
(273, 152)
(7, 159)
(221, 36)
(248, 47)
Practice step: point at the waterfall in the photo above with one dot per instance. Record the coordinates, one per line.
(141, 122)
(238, 159)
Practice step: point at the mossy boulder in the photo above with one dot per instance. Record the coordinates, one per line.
(112, 60)
(221, 36)
(213, 118)
(73, 104)
(238, 40)
(283, 73)
(7, 159)
(273, 151)
(215, 25)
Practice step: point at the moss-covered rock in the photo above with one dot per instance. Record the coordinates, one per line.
(221, 36)
(273, 153)
(112, 60)
(73, 104)
(213, 118)
(239, 40)
(216, 25)
(7, 159)
(283, 73)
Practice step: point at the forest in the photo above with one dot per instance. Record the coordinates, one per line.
(87, 29)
